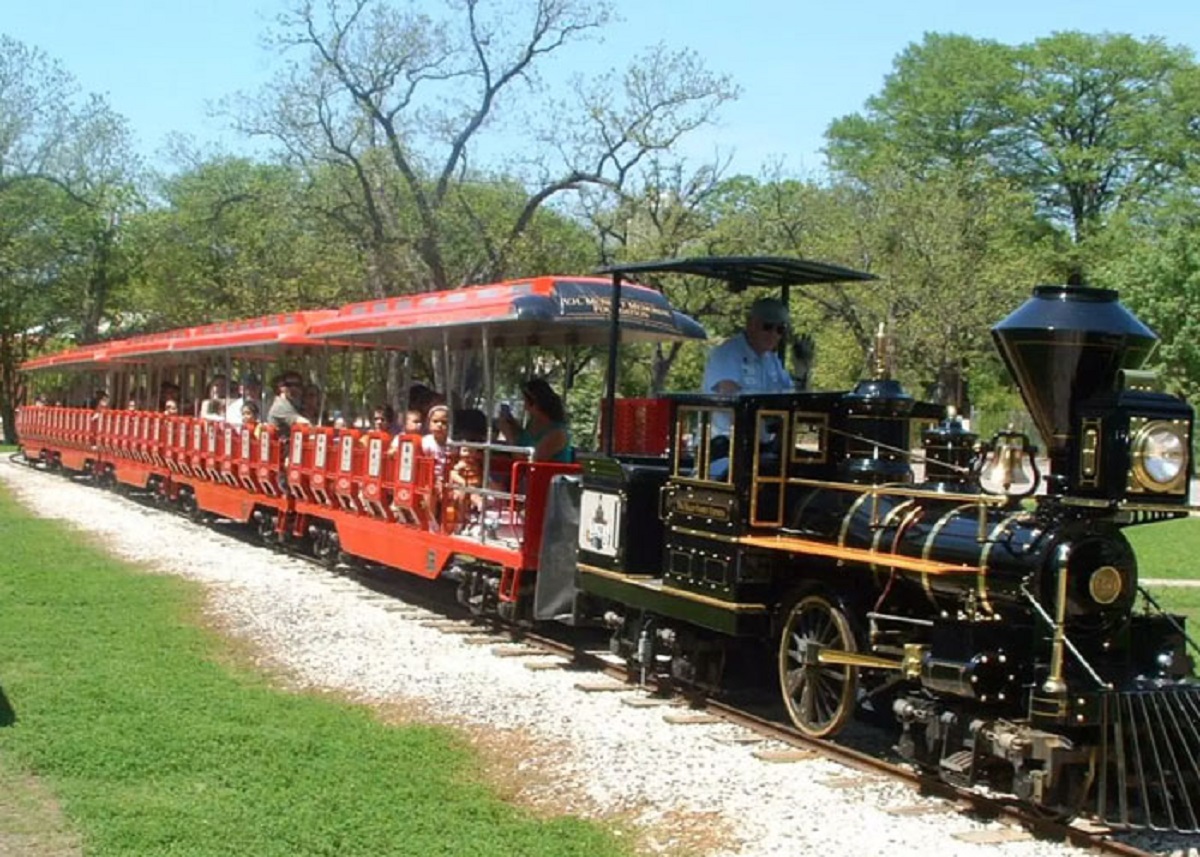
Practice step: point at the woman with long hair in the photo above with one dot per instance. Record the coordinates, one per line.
(546, 427)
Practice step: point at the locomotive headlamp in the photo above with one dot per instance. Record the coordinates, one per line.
(1159, 455)
(1105, 585)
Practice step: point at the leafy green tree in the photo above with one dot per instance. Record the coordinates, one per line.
(1097, 124)
(405, 103)
(666, 210)
(66, 184)
(233, 238)
(945, 104)
(954, 253)
(1155, 266)
(1085, 123)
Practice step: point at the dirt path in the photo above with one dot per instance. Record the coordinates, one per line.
(31, 822)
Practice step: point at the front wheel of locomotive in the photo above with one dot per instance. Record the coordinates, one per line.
(819, 693)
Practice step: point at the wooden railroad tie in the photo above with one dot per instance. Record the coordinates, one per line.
(1091, 826)
(454, 626)
(539, 666)
(407, 611)
(921, 809)
(691, 717)
(849, 782)
(606, 657)
(602, 686)
(483, 640)
(994, 836)
(516, 650)
(647, 701)
(794, 754)
(748, 738)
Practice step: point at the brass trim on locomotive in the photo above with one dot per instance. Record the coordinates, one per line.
(643, 581)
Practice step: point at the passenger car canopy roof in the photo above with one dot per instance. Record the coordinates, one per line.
(243, 337)
(537, 311)
(741, 272)
(82, 356)
(253, 337)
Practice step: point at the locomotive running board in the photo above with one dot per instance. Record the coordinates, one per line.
(648, 593)
(791, 544)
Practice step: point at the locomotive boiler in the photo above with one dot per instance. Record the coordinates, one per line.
(992, 610)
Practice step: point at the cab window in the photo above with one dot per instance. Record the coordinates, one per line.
(703, 438)
(810, 438)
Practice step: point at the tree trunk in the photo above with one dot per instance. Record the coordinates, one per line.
(9, 387)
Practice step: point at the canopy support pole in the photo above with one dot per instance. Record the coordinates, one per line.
(610, 381)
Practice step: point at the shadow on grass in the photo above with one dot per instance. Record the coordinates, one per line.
(7, 715)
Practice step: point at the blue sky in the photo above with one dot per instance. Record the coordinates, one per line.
(800, 64)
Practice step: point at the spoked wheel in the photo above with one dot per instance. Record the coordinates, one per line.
(819, 696)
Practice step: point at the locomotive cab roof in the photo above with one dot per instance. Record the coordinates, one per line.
(741, 272)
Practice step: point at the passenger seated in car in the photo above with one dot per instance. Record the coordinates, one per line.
(250, 417)
(169, 390)
(285, 409)
(213, 408)
(546, 430)
(383, 418)
(310, 404)
(433, 443)
(467, 472)
(470, 424)
(250, 390)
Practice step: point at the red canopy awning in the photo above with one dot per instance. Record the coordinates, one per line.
(537, 311)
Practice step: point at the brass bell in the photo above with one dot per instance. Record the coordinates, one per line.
(1009, 467)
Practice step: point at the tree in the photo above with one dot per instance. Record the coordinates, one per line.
(1097, 124)
(65, 184)
(232, 239)
(1085, 123)
(403, 105)
(1156, 270)
(945, 104)
(665, 210)
(954, 253)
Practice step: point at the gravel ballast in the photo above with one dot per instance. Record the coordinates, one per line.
(676, 786)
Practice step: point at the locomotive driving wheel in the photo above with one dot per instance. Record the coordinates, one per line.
(819, 695)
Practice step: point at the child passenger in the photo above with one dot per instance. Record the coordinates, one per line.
(467, 472)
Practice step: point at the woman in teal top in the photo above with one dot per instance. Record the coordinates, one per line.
(547, 430)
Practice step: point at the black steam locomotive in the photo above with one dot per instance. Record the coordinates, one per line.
(990, 609)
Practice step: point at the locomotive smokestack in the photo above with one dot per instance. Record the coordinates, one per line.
(1063, 345)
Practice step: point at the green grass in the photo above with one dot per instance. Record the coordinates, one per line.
(1179, 599)
(1170, 549)
(133, 716)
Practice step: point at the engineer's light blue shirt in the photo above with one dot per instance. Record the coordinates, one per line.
(734, 360)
